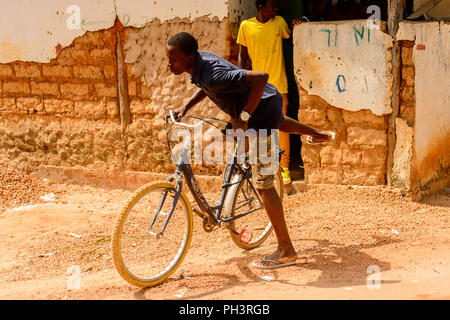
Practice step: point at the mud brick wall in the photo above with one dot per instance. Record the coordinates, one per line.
(154, 90)
(65, 113)
(359, 154)
(407, 95)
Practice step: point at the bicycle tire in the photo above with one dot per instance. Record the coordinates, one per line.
(236, 225)
(129, 266)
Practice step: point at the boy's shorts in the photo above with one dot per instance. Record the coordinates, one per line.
(267, 164)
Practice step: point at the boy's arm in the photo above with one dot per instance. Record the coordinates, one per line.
(198, 96)
(257, 81)
(243, 59)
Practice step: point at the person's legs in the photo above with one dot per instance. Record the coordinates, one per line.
(285, 144)
(285, 251)
(263, 179)
(292, 126)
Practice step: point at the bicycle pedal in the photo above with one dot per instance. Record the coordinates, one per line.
(245, 236)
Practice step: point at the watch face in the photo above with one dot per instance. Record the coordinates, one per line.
(245, 116)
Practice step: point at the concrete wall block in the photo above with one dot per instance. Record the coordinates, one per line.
(28, 105)
(44, 88)
(74, 89)
(324, 174)
(363, 176)
(330, 155)
(6, 71)
(92, 110)
(58, 71)
(8, 104)
(54, 106)
(88, 72)
(313, 117)
(408, 75)
(407, 56)
(27, 71)
(374, 158)
(105, 90)
(364, 118)
(369, 137)
(16, 87)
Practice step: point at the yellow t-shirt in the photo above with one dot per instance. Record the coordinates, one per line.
(264, 42)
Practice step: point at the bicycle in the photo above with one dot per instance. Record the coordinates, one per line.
(141, 256)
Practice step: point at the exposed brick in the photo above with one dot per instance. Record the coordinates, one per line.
(87, 72)
(16, 87)
(311, 156)
(363, 176)
(112, 109)
(103, 90)
(109, 71)
(364, 118)
(137, 106)
(312, 117)
(408, 76)
(407, 93)
(40, 88)
(324, 174)
(27, 71)
(28, 104)
(374, 158)
(56, 71)
(351, 157)
(91, 109)
(104, 55)
(8, 104)
(132, 88)
(370, 137)
(6, 71)
(74, 89)
(407, 56)
(58, 106)
(330, 155)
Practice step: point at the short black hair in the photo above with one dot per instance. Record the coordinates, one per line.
(260, 3)
(185, 41)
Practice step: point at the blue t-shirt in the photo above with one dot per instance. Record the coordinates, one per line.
(224, 83)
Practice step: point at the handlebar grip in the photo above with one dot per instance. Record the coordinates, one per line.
(229, 125)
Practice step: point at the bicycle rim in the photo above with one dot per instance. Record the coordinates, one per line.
(142, 258)
(256, 223)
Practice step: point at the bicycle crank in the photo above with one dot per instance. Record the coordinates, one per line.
(208, 224)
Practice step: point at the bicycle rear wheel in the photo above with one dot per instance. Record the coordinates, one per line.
(141, 256)
(244, 197)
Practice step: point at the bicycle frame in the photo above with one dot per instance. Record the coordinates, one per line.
(184, 168)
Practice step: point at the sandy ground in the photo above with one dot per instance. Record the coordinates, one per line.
(339, 232)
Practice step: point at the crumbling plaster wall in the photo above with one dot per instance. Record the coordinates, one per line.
(343, 71)
(59, 100)
(430, 57)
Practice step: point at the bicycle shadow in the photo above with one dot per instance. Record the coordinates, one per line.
(343, 266)
(340, 266)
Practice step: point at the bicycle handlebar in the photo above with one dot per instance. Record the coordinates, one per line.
(172, 117)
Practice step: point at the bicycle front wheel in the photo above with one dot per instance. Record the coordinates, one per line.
(142, 254)
(256, 224)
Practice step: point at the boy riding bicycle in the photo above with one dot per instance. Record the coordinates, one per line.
(251, 102)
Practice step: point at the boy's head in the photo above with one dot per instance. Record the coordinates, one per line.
(268, 8)
(181, 50)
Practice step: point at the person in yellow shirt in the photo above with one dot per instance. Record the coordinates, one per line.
(260, 42)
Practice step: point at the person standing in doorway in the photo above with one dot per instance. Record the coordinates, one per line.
(260, 42)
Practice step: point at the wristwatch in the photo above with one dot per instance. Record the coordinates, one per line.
(244, 116)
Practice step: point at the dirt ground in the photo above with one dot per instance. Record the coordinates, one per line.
(339, 232)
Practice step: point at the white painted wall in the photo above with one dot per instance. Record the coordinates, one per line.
(137, 13)
(348, 67)
(431, 57)
(30, 30)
